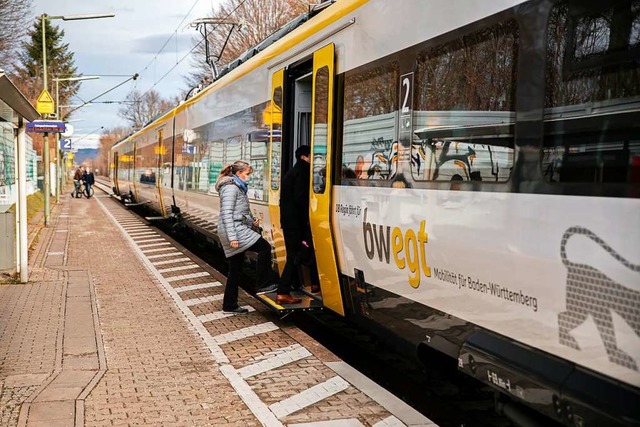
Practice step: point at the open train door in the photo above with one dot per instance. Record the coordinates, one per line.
(273, 117)
(322, 180)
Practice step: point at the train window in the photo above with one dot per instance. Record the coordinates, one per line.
(369, 132)
(216, 162)
(234, 149)
(146, 163)
(275, 120)
(592, 93)
(320, 119)
(258, 184)
(464, 114)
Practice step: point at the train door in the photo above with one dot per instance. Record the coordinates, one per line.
(114, 173)
(134, 172)
(289, 115)
(273, 116)
(161, 151)
(322, 179)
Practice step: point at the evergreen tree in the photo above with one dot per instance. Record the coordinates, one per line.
(60, 63)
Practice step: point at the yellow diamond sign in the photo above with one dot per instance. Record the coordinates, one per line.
(44, 103)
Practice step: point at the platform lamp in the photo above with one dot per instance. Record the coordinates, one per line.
(58, 151)
(43, 18)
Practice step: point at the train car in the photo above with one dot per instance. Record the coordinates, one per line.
(475, 188)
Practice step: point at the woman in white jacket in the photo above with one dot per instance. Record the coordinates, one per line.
(237, 235)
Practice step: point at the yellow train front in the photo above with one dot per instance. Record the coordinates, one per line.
(475, 188)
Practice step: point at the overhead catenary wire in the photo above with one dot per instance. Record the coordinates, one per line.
(175, 32)
(191, 50)
(134, 77)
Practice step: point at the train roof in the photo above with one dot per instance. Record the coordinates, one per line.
(248, 54)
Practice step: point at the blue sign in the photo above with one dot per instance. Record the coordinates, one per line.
(66, 145)
(188, 149)
(46, 126)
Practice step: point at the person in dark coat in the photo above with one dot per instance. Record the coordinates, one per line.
(294, 220)
(89, 180)
(236, 230)
(77, 180)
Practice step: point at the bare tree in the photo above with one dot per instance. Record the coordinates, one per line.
(255, 19)
(140, 108)
(14, 15)
(107, 139)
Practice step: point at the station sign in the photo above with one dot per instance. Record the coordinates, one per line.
(66, 144)
(46, 126)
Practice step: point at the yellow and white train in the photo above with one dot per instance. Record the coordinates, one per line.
(475, 189)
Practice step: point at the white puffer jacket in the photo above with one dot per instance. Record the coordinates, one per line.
(234, 222)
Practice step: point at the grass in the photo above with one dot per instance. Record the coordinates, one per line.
(35, 204)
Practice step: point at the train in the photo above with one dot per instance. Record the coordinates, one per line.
(475, 188)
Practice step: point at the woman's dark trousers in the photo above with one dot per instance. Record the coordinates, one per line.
(264, 275)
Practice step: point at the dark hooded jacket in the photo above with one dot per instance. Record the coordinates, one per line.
(294, 197)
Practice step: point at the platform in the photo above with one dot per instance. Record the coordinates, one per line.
(119, 325)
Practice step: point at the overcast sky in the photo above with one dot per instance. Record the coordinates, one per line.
(122, 46)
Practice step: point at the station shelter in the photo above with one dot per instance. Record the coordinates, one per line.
(17, 176)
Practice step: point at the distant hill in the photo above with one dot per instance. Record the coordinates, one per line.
(85, 154)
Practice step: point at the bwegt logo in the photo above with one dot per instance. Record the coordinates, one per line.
(408, 247)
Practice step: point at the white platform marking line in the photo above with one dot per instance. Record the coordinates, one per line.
(187, 276)
(388, 401)
(198, 286)
(182, 267)
(155, 239)
(142, 233)
(171, 261)
(164, 255)
(217, 315)
(136, 227)
(149, 251)
(390, 421)
(289, 354)
(202, 300)
(349, 422)
(213, 347)
(249, 331)
(309, 396)
(150, 245)
(250, 398)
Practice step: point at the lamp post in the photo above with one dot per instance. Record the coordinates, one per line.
(43, 19)
(58, 151)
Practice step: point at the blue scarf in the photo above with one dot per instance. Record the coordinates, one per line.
(241, 183)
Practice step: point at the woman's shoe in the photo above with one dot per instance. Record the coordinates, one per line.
(237, 310)
(287, 299)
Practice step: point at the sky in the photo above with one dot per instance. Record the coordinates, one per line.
(117, 48)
